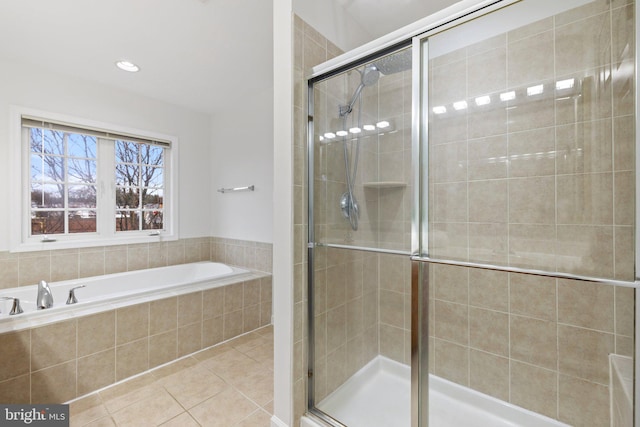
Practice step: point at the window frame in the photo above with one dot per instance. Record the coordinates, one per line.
(106, 234)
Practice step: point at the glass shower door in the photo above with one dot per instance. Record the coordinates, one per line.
(359, 267)
(529, 124)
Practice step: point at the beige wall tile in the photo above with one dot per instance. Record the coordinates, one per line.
(56, 384)
(392, 308)
(488, 201)
(115, 259)
(251, 317)
(586, 250)
(489, 289)
(392, 343)
(531, 153)
(212, 303)
(582, 402)
(9, 273)
(96, 371)
(532, 246)
(489, 331)
(452, 361)
(53, 344)
(585, 147)
(624, 253)
(488, 243)
(451, 283)
(233, 324)
(14, 353)
(452, 322)
(190, 308)
(163, 315)
(532, 200)
(175, 252)
(450, 162)
(623, 143)
(530, 59)
(233, 297)
(132, 358)
(534, 341)
(163, 348)
(16, 390)
(132, 323)
(251, 292)
(584, 353)
(489, 73)
(91, 263)
(189, 338)
(212, 331)
(533, 296)
(64, 266)
(487, 158)
(585, 199)
(588, 305)
(534, 388)
(624, 198)
(583, 44)
(96, 333)
(33, 268)
(489, 374)
(450, 202)
(624, 313)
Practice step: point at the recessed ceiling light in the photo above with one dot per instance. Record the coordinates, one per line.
(127, 66)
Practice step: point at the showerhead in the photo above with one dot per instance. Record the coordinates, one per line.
(370, 75)
(395, 63)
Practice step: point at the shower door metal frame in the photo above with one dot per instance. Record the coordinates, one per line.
(418, 37)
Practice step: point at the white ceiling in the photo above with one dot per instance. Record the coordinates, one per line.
(200, 54)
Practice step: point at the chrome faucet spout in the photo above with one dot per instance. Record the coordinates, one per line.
(45, 297)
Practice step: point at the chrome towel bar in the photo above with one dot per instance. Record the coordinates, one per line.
(231, 190)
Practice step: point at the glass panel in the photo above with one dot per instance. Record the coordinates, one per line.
(127, 198)
(47, 222)
(529, 112)
(362, 135)
(152, 155)
(36, 139)
(53, 169)
(54, 142)
(526, 135)
(152, 220)
(82, 196)
(127, 175)
(362, 198)
(82, 221)
(47, 196)
(81, 170)
(126, 152)
(82, 145)
(127, 220)
(152, 177)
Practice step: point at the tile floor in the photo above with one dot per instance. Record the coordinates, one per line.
(228, 385)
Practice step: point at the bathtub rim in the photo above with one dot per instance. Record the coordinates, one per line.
(39, 318)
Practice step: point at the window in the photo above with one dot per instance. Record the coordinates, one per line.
(84, 185)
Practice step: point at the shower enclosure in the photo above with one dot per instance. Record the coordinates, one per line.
(471, 247)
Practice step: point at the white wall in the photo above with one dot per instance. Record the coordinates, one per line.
(29, 87)
(333, 21)
(242, 155)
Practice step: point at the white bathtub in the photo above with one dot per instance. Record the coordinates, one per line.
(114, 291)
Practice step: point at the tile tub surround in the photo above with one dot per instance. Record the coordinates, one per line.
(28, 268)
(228, 384)
(70, 358)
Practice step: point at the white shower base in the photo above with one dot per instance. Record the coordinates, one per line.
(379, 395)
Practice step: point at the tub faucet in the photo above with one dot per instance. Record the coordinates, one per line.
(45, 297)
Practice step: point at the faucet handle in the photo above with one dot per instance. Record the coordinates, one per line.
(15, 308)
(72, 295)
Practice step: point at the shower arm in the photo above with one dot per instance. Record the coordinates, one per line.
(345, 110)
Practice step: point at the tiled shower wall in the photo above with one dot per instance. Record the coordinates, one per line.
(28, 268)
(546, 180)
(546, 183)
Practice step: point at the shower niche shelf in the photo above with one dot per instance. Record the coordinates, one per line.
(384, 184)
